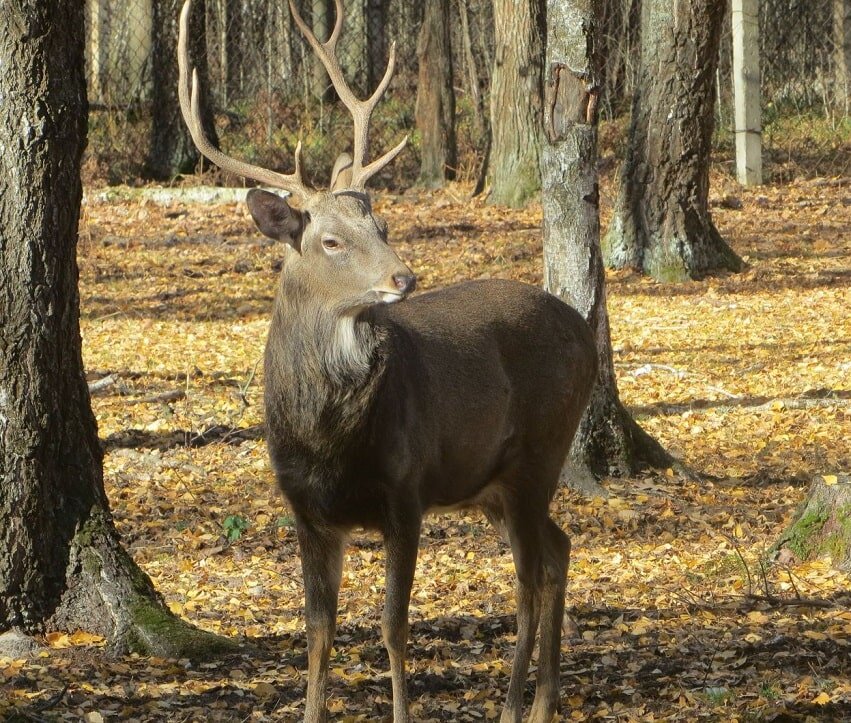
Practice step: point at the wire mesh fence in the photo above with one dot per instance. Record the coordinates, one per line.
(268, 91)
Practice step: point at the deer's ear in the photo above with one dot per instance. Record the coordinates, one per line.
(341, 175)
(275, 217)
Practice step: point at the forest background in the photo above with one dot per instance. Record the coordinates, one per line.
(682, 608)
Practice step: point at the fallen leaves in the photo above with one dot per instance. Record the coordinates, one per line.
(680, 611)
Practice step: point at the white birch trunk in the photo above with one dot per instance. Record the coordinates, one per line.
(746, 87)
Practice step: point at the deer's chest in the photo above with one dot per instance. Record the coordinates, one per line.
(343, 495)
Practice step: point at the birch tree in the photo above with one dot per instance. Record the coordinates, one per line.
(608, 441)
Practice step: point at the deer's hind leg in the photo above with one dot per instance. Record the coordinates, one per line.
(401, 540)
(518, 518)
(556, 557)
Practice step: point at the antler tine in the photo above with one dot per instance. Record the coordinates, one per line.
(190, 106)
(361, 110)
(338, 25)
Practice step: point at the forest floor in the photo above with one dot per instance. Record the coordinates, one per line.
(682, 612)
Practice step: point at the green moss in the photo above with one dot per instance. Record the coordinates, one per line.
(156, 631)
(663, 263)
(800, 536)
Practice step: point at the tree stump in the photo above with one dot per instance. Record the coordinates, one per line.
(822, 524)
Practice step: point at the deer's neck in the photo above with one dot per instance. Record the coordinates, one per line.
(322, 367)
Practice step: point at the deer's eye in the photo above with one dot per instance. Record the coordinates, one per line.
(331, 244)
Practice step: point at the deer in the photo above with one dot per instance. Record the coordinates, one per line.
(382, 406)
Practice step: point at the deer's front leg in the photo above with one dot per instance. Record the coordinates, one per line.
(322, 562)
(401, 541)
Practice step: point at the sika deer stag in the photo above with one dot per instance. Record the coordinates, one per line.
(378, 411)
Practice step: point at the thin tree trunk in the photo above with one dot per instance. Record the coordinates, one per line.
(354, 49)
(321, 23)
(842, 45)
(435, 112)
(608, 440)
(514, 173)
(232, 47)
(376, 34)
(662, 224)
(171, 150)
(472, 71)
(61, 561)
(619, 39)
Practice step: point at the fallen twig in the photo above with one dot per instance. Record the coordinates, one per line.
(44, 705)
(792, 601)
(102, 383)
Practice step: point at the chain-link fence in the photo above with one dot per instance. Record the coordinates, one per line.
(268, 90)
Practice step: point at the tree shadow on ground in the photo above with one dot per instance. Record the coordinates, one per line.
(808, 398)
(734, 285)
(162, 441)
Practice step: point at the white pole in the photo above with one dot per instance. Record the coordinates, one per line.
(746, 84)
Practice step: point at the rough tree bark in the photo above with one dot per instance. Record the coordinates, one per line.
(822, 525)
(62, 565)
(514, 165)
(661, 225)
(435, 112)
(171, 151)
(609, 441)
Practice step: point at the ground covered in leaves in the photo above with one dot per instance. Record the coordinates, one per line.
(681, 611)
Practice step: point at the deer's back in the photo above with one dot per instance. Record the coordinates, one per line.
(485, 376)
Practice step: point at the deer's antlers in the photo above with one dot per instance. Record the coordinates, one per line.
(361, 111)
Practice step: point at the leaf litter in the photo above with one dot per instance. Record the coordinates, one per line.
(679, 611)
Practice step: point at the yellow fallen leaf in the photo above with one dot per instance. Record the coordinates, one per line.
(830, 479)
(821, 699)
(83, 638)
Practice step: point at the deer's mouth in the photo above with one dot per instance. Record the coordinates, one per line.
(388, 296)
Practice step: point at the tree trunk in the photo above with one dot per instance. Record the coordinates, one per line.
(61, 562)
(662, 224)
(354, 44)
(608, 442)
(842, 45)
(822, 525)
(515, 173)
(472, 70)
(172, 151)
(320, 16)
(618, 40)
(376, 35)
(233, 39)
(435, 112)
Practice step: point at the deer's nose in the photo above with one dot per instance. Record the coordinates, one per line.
(406, 283)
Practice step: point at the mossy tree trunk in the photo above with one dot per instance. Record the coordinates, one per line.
(822, 525)
(62, 565)
(435, 110)
(516, 86)
(661, 225)
(608, 441)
